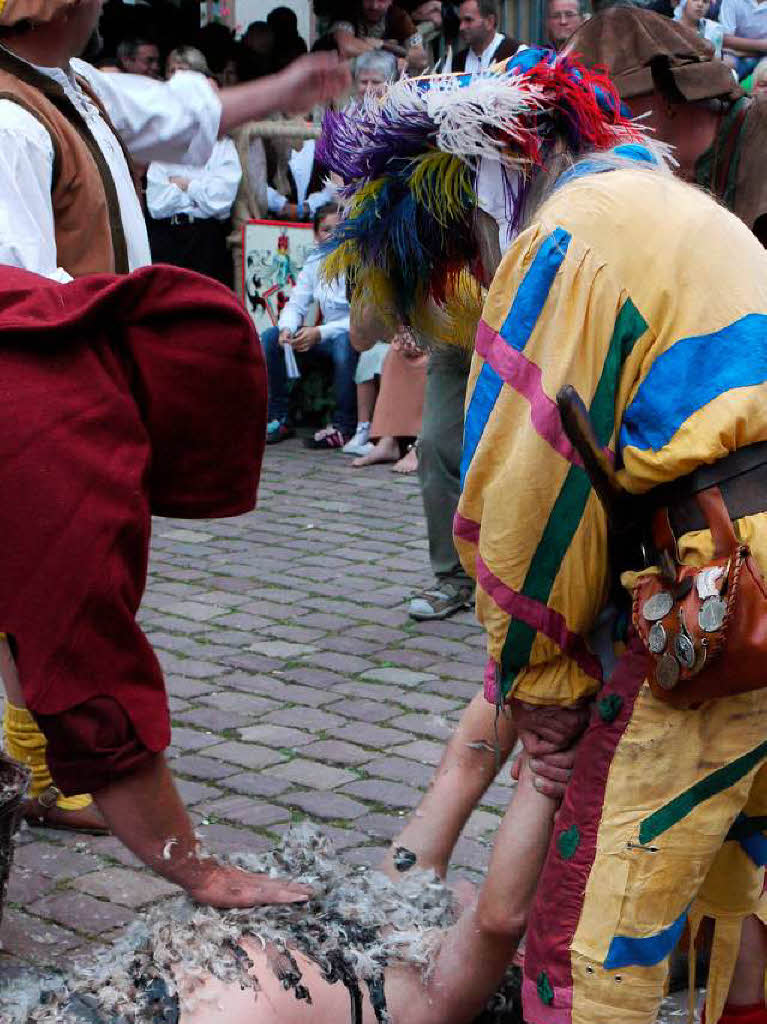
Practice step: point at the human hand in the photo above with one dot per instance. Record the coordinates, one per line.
(305, 338)
(551, 772)
(179, 182)
(316, 78)
(547, 729)
(285, 337)
(222, 885)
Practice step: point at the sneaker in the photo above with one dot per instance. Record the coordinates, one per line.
(328, 438)
(277, 431)
(447, 598)
(360, 444)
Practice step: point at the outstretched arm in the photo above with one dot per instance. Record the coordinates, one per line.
(477, 950)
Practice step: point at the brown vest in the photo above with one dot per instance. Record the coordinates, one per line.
(86, 211)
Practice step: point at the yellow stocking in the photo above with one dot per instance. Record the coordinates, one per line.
(25, 743)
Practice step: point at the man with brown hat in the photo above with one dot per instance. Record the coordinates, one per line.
(68, 209)
(691, 100)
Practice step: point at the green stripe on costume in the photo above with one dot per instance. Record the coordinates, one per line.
(667, 816)
(571, 501)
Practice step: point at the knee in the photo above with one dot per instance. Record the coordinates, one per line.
(500, 923)
(343, 353)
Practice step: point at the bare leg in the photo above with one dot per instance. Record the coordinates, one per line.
(366, 400)
(145, 812)
(478, 948)
(467, 768)
(10, 676)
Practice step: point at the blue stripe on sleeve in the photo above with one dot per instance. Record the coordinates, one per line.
(628, 952)
(691, 374)
(483, 400)
(518, 326)
(532, 293)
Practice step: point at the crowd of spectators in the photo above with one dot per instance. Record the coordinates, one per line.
(384, 407)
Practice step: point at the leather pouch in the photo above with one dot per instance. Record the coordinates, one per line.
(704, 627)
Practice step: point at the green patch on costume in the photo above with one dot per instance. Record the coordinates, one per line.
(610, 707)
(672, 812)
(568, 842)
(545, 991)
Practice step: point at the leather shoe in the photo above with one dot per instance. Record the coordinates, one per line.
(43, 812)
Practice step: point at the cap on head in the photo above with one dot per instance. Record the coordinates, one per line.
(410, 162)
(13, 12)
(637, 47)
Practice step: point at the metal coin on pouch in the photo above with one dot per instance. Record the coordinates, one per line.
(667, 672)
(657, 639)
(712, 613)
(707, 581)
(658, 606)
(684, 649)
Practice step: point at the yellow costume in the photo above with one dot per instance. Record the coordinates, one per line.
(651, 301)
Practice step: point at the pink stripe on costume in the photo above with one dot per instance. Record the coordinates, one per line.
(524, 376)
(543, 1014)
(491, 690)
(541, 618)
(465, 528)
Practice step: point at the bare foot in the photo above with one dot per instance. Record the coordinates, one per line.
(408, 463)
(225, 886)
(386, 450)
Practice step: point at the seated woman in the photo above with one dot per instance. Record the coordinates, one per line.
(292, 337)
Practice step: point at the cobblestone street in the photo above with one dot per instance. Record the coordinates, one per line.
(299, 689)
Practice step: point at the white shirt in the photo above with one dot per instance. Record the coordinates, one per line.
(746, 18)
(212, 188)
(176, 120)
(483, 62)
(330, 296)
(301, 164)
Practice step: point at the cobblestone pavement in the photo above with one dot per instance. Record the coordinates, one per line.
(299, 690)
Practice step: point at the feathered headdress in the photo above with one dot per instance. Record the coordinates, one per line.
(409, 161)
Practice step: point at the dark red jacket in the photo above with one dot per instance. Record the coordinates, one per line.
(120, 397)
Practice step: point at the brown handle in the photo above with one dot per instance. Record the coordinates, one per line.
(716, 515)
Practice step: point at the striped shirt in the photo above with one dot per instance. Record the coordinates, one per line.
(651, 300)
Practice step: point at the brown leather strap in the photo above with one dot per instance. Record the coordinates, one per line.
(718, 518)
(743, 495)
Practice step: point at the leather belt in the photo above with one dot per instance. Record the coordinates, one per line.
(180, 218)
(741, 476)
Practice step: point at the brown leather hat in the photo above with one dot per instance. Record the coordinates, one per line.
(638, 46)
(36, 11)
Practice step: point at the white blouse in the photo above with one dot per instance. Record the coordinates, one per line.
(212, 188)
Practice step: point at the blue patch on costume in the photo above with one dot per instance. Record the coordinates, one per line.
(692, 373)
(519, 325)
(627, 952)
(749, 832)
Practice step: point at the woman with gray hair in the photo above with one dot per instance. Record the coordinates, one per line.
(373, 70)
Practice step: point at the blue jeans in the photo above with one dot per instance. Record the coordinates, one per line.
(340, 350)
